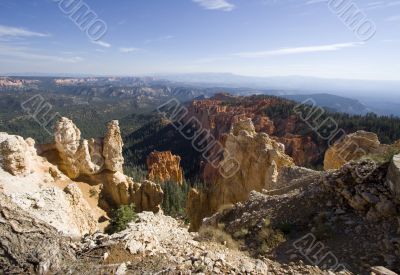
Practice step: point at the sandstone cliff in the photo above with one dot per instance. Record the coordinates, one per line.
(259, 160)
(360, 144)
(163, 167)
(99, 162)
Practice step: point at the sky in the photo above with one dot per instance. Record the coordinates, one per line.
(247, 37)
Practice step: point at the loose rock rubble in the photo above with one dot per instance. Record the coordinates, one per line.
(355, 218)
(155, 236)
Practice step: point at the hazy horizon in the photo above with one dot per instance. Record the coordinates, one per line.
(260, 38)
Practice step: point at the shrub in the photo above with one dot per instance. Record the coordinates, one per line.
(269, 237)
(212, 234)
(121, 217)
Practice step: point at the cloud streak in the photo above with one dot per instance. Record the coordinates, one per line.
(102, 44)
(128, 50)
(26, 54)
(19, 32)
(299, 50)
(222, 5)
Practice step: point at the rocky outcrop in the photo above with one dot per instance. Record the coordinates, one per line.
(16, 154)
(36, 186)
(119, 189)
(340, 213)
(77, 157)
(112, 148)
(259, 159)
(163, 167)
(360, 144)
(88, 157)
(100, 162)
(362, 186)
(393, 177)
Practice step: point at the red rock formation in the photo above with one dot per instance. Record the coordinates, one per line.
(219, 113)
(163, 167)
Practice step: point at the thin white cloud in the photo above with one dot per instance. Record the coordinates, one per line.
(299, 50)
(27, 54)
(223, 5)
(310, 2)
(381, 5)
(19, 32)
(128, 50)
(102, 44)
(393, 18)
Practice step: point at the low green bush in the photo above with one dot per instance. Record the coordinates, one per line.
(121, 217)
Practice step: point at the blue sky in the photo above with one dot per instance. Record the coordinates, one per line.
(247, 37)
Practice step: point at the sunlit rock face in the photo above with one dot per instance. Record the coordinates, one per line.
(100, 161)
(163, 167)
(112, 148)
(355, 146)
(259, 159)
(36, 185)
(16, 154)
(220, 112)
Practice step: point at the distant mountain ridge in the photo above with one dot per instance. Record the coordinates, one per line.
(333, 102)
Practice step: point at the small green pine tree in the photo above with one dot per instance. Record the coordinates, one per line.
(121, 217)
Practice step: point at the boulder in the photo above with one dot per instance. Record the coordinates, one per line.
(16, 154)
(163, 167)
